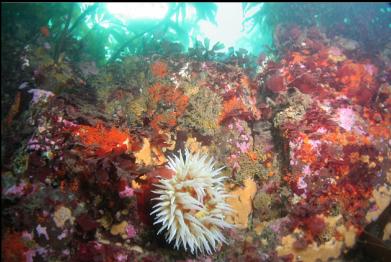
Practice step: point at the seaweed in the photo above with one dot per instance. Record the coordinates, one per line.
(202, 112)
(95, 106)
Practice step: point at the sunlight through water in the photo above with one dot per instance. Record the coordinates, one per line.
(228, 29)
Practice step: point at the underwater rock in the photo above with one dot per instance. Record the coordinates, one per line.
(304, 138)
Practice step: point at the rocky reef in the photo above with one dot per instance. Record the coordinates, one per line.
(305, 141)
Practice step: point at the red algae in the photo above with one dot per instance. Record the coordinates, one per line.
(159, 69)
(232, 107)
(170, 95)
(275, 83)
(103, 140)
(308, 125)
(13, 247)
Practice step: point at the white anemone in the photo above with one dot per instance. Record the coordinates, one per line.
(191, 204)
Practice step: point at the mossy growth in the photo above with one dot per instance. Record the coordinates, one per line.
(202, 112)
(8, 180)
(135, 109)
(132, 74)
(51, 75)
(264, 208)
(262, 200)
(249, 167)
(326, 235)
(269, 239)
(57, 77)
(219, 147)
(103, 93)
(135, 73)
(252, 168)
(291, 114)
(103, 80)
(297, 105)
(113, 108)
(335, 209)
(40, 57)
(21, 160)
(129, 108)
(189, 88)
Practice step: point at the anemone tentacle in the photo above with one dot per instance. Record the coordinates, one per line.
(191, 204)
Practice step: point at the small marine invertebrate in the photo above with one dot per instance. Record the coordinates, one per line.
(191, 206)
